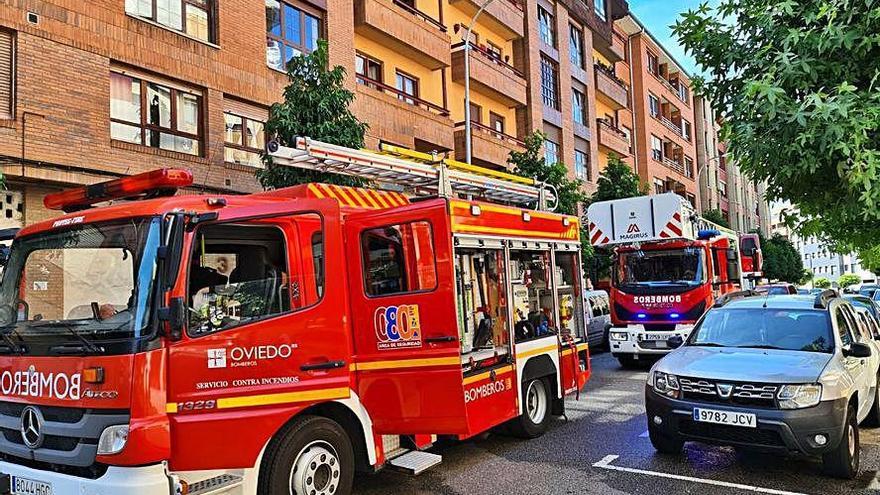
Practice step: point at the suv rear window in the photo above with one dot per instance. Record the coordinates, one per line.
(760, 328)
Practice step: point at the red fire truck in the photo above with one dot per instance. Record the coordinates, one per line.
(669, 265)
(275, 343)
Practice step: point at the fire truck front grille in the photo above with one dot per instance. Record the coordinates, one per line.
(69, 435)
(744, 394)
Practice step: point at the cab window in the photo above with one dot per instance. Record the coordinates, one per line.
(245, 272)
(398, 259)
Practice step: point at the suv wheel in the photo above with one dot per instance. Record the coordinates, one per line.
(843, 462)
(663, 443)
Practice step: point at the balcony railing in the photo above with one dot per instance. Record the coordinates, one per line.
(404, 97)
(674, 165)
(418, 13)
(670, 124)
(492, 132)
(610, 127)
(493, 57)
(609, 71)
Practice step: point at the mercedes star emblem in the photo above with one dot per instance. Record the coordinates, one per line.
(32, 427)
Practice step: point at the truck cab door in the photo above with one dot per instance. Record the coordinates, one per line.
(406, 346)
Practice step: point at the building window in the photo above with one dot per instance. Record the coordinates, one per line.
(688, 167)
(496, 122)
(494, 50)
(407, 85)
(290, 31)
(155, 115)
(653, 63)
(191, 17)
(546, 26)
(581, 165)
(656, 148)
(576, 46)
(549, 83)
(368, 69)
(653, 105)
(578, 107)
(599, 7)
(7, 74)
(245, 140)
(686, 129)
(551, 152)
(692, 199)
(683, 92)
(722, 188)
(476, 113)
(659, 186)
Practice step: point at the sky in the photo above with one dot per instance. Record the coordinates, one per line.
(658, 16)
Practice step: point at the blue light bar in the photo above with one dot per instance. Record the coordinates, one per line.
(641, 316)
(674, 315)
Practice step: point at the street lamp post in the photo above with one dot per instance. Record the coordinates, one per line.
(467, 81)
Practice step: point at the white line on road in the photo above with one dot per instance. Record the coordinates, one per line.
(605, 463)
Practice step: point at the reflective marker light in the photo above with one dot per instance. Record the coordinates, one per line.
(674, 315)
(641, 316)
(148, 184)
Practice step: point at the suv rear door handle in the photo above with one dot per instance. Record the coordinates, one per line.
(327, 365)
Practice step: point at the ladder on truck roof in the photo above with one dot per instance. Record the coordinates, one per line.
(421, 172)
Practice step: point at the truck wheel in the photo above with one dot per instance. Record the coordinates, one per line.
(535, 416)
(663, 443)
(606, 338)
(873, 418)
(313, 457)
(843, 462)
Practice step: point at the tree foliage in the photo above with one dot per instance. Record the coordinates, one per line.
(822, 283)
(807, 277)
(798, 87)
(782, 261)
(315, 105)
(848, 279)
(714, 215)
(531, 163)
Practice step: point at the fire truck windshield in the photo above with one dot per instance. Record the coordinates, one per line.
(661, 267)
(83, 289)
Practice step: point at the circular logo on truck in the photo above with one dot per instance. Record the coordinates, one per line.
(32, 427)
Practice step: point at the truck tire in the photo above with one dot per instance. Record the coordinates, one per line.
(313, 456)
(663, 443)
(843, 462)
(606, 338)
(536, 401)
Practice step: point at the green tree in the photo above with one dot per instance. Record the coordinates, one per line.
(714, 215)
(616, 181)
(848, 279)
(782, 261)
(315, 105)
(531, 163)
(807, 278)
(822, 283)
(798, 88)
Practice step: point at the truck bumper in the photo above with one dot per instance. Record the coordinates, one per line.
(778, 430)
(637, 342)
(145, 480)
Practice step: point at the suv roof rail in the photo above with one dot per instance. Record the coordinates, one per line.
(722, 300)
(824, 297)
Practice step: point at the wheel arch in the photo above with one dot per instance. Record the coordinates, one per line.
(542, 366)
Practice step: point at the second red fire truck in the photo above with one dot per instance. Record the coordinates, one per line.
(275, 343)
(669, 265)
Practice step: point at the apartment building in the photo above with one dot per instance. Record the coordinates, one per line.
(563, 36)
(722, 186)
(614, 116)
(663, 111)
(91, 91)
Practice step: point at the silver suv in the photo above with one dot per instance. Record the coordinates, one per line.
(772, 373)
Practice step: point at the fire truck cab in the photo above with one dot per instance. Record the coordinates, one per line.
(668, 267)
(274, 343)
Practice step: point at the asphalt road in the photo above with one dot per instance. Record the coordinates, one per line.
(609, 420)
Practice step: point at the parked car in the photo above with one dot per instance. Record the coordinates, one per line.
(776, 289)
(870, 324)
(864, 289)
(803, 292)
(780, 374)
(598, 309)
(866, 302)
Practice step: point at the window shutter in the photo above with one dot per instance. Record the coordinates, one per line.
(7, 72)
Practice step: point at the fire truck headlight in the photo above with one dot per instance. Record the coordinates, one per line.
(113, 440)
(619, 336)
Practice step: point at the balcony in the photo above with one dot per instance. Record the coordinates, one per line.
(505, 17)
(491, 75)
(675, 165)
(408, 31)
(489, 147)
(400, 118)
(612, 91)
(612, 139)
(672, 126)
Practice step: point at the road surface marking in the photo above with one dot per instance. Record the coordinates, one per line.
(605, 463)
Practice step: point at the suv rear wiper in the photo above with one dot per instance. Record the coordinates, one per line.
(88, 345)
(762, 346)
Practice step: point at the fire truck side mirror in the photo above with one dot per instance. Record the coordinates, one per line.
(176, 318)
